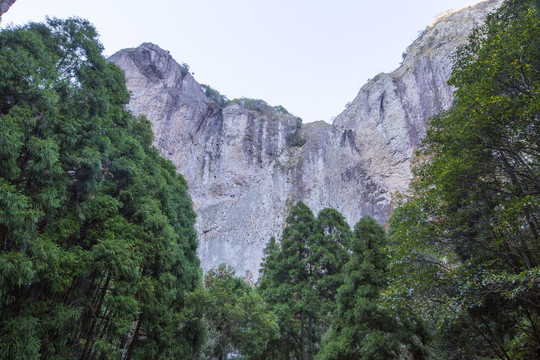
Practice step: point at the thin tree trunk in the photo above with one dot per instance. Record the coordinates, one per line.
(134, 340)
(310, 338)
(302, 338)
(89, 338)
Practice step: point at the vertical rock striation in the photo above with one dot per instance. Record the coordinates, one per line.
(379, 130)
(242, 171)
(236, 161)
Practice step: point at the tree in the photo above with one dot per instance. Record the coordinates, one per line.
(469, 233)
(215, 96)
(284, 283)
(329, 252)
(361, 328)
(98, 243)
(235, 316)
(300, 277)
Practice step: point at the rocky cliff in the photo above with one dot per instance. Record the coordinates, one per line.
(243, 171)
(4, 6)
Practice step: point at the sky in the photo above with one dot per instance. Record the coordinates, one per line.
(310, 56)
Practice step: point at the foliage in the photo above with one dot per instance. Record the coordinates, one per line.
(185, 69)
(98, 245)
(215, 96)
(235, 316)
(280, 109)
(299, 280)
(259, 106)
(469, 249)
(361, 328)
(294, 138)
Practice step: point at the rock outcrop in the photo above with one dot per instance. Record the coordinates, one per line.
(4, 6)
(243, 172)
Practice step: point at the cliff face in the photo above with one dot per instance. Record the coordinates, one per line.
(237, 162)
(243, 174)
(4, 6)
(379, 130)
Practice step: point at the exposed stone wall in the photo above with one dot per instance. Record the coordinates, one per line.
(244, 177)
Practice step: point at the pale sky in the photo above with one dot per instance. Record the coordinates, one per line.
(310, 56)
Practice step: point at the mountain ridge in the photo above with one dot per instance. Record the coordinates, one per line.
(244, 175)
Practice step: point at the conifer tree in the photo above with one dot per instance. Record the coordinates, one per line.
(329, 252)
(98, 246)
(286, 286)
(300, 277)
(361, 328)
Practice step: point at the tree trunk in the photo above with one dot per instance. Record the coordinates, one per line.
(134, 340)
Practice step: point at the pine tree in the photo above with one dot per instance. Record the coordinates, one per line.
(361, 328)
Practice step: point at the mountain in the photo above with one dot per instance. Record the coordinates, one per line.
(243, 162)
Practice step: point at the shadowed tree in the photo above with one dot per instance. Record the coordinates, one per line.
(469, 249)
(361, 328)
(98, 246)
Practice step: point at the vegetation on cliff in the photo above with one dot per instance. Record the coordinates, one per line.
(262, 108)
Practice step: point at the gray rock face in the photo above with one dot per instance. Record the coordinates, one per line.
(243, 175)
(237, 162)
(4, 6)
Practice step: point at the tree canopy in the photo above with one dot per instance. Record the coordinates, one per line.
(323, 283)
(469, 249)
(98, 245)
(361, 328)
(236, 320)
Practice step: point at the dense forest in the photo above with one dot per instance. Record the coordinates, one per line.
(98, 247)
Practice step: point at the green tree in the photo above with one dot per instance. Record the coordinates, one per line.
(98, 246)
(235, 316)
(299, 279)
(285, 284)
(361, 328)
(329, 252)
(469, 234)
(215, 96)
